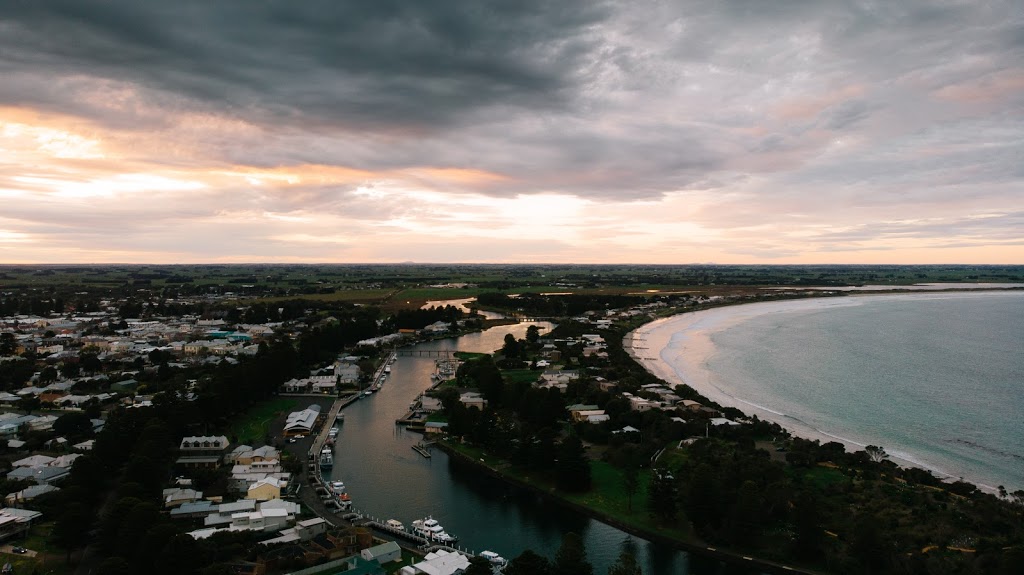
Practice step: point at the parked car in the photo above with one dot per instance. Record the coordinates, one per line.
(19, 550)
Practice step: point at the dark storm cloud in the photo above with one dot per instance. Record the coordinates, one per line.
(828, 113)
(372, 64)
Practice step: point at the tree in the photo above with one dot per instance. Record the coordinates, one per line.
(70, 370)
(662, 501)
(90, 363)
(511, 349)
(29, 403)
(572, 468)
(626, 564)
(876, 453)
(48, 375)
(73, 424)
(532, 334)
(71, 529)
(571, 558)
(7, 343)
(631, 482)
(528, 563)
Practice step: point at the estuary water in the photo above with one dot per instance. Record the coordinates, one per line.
(387, 479)
(937, 379)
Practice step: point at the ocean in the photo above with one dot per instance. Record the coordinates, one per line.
(937, 379)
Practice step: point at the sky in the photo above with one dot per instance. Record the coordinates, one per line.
(548, 131)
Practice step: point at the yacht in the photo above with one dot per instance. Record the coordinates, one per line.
(333, 433)
(431, 530)
(326, 458)
(338, 487)
(394, 524)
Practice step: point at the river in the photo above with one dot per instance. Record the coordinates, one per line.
(387, 479)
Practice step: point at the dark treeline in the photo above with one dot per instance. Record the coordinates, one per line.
(557, 306)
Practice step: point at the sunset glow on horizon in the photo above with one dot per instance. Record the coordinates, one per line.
(726, 132)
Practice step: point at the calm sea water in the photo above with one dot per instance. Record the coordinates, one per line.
(936, 379)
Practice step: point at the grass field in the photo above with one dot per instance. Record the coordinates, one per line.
(607, 497)
(520, 375)
(254, 425)
(49, 558)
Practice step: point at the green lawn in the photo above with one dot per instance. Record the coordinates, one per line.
(520, 375)
(49, 558)
(254, 425)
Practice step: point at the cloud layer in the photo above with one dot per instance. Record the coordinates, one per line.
(731, 131)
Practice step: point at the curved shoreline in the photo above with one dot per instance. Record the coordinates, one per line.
(676, 349)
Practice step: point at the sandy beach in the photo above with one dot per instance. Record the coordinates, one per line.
(677, 350)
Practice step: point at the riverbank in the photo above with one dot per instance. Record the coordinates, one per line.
(679, 350)
(690, 544)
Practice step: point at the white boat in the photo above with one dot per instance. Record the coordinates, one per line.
(493, 558)
(326, 458)
(431, 530)
(338, 487)
(395, 524)
(333, 433)
(368, 393)
(387, 369)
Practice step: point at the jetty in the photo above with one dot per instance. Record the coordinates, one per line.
(421, 448)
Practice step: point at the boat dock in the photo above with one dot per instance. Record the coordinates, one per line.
(421, 448)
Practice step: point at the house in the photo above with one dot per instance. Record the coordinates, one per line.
(202, 451)
(175, 496)
(41, 475)
(589, 415)
(295, 386)
(194, 510)
(265, 489)
(84, 446)
(383, 553)
(326, 386)
(641, 404)
(15, 521)
(29, 493)
(348, 374)
(438, 562)
(246, 455)
(473, 399)
(433, 428)
(34, 461)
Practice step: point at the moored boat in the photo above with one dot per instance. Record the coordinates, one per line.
(326, 458)
(493, 558)
(431, 530)
(394, 524)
